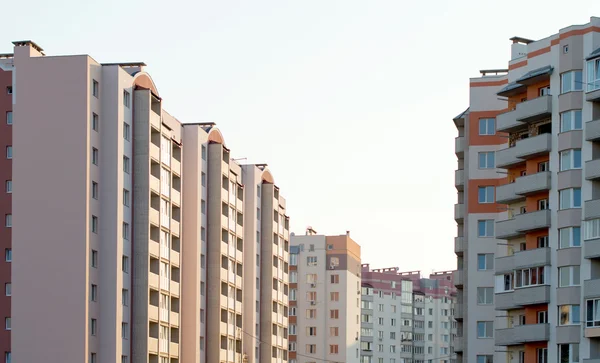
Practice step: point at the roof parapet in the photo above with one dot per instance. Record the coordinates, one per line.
(495, 72)
(24, 43)
(521, 40)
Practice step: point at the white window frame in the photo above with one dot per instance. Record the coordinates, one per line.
(486, 226)
(569, 81)
(524, 277)
(311, 260)
(127, 99)
(571, 120)
(570, 273)
(569, 198)
(490, 192)
(571, 313)
(9, 152)
(485, 124)
(8, 186)
(573, 354)
(569, 237)
(570, 159)
(9, 117)
(488, 329)
(593, 74)
(594, 320)
(481, 358)
(486, 160)
(485, 296)
(126, 131)
(488, 261)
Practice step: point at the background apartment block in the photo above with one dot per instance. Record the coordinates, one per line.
(547, 193)
(325, 294)
(105, 192)
(406, 318)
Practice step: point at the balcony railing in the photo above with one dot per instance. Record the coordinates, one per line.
(523, 334)
(525, 296)
(523, 223)
(459, 146)
(528, 111)
(524, 149)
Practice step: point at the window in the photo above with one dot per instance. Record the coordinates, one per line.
(94, 190)
(570, 159)
(94, 156)
(593, 74)
(126, 197)
(8, 289)
(485, 359)
(126, 164)
(571, 81)
(485, 261)
(94, 258)
(568, 353)
(335, 279)
(94, 224)
(7, 323)
(124, 359)
(311, 348)
(311, 260)
(569, 237)
(125, 264)
(8, 186)
(95, 122)
(570, 120)
(542, 355)
(93, 326)
(94, 292)
(9, 90)
(592, 313)
(124, 330)
(543, 204)
(543, 166)
(9, 118)
(311, 313)
(333, 349)
(485, 228)
(8, 220)
(486, 194)
(569, 276)
(334, 314)
(204, 154)
(95, 88)
(544, 91)
(570, 198)
(8, 255)
(530, 277)
(487, 160)
(591, 229)
(485, 329)
(125, 231)
(125, 297)
(9, 152)
(542, 242)
(126, 131)
(126, 99)
(203, 178)
(487, 126)
(485, 295)
(569, 314)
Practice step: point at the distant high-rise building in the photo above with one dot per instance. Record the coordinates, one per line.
(324, 298)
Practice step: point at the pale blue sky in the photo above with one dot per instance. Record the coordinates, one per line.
(349, 102)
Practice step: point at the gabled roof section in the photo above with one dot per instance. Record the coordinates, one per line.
(512, 89)
(462, 115)
(536, 75)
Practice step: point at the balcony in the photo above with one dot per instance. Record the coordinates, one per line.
(591, 248)
(153, 312)
(523, 297)
(175, 258)
(459, 245)
(459, 179)
(153, 280)
(534, 183)
(591, 360)
(507, 122)
(591, 288)
(458, 312)
(521, 334)
(154, 217)
(175, 197)
(524, 149)
(174, 288)
(154, 248)
(459, 212)
(459, 278)
(176, 166)
(153, 345)
(592, 130)
(592, 169)
(459, 146)
(593, 96)
(522, 223)
(175, 227)
(155, 120)
(528, 111)
(507, 193)
(154, 184)
(458, 344)
(523, 259)
(174, 349)
(155, 152)
(174, 318)
(592, 209)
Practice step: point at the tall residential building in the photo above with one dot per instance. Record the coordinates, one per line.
(5, 202)
(325, 294)
(406, 318)
(546, 107)
(103, 215)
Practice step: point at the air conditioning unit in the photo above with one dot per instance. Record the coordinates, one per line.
(313, 302)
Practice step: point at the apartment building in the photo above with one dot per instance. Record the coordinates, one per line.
(100, 225)
(325, 297)
(5, 203)
(406, 318)
(540, 139)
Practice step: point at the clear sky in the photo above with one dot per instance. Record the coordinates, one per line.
(349, 102)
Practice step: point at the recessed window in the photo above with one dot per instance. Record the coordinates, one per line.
(9, 152)
(94, 190)
(8, 220)
(570, 198)
(203, 152)
(487, 126)
(7, 323)
(93, 326)
(485, 295)
(126, 231)
(126, 164)
(94, 292)
(94, 156)
(485, 228)
(570, 120)
(569, 237)
(203, 206)
(94, 258)
(565, 49)
(487, 160)
(125, 297)
(533, 276)
(8, 254)
(593, 74)
(485, 261)
(571, 81)
(95, 88)
(485, 359)
(568, 353)
(569, 315)
(569, 276)
(486, 194)
(126, 131)
(125, 264)
(203, 179)
(93, 358)
(311, 261)
(95, 122)
(570, 159)
(8, 289)
(9, 118)
(124, 330)
(126, 99)
(9, 90)
(126, 197)
(94, 224)
(485, 329)
(8, 186)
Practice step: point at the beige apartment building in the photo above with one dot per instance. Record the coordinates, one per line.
(529, 213)
(129, 226)
(325, 294)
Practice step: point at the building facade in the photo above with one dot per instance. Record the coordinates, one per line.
(406, 318)
(539, 242)
(325, 294)
(106, 255)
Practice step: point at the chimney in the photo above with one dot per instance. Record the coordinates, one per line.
(348, 233)
(310, 231)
